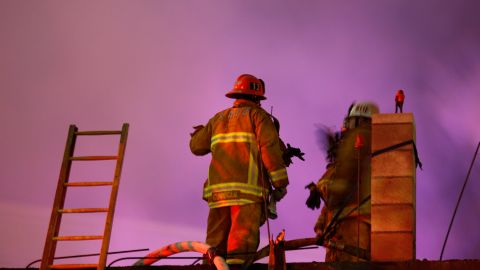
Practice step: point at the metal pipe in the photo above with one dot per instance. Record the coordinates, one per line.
(458, 202)
(89, 255)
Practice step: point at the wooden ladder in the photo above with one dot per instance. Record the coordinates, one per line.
(58, 204)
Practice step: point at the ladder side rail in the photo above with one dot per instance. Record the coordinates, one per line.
(58, 203)
(113, 198)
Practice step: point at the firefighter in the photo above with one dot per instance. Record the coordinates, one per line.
(246, 161)
(345, 188)
(399, 99)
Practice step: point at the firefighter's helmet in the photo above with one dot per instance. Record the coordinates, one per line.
(363, 109)
(359, 114)
(249, 85)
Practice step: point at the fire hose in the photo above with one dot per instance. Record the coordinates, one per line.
(184, 246)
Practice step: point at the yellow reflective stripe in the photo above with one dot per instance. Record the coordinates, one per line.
(242, 137)
(232, 137)
(245, 188)
(229, 203)
(278, 175)
(253, 166)
(235, 261)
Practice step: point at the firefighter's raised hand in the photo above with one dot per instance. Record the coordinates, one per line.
(295, 152)
(313, 200)
(196, 129)
(291, 152)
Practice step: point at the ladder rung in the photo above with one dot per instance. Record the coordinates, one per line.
(83, 210)
(73, 266)
(95, 158)
(78, 238)
(88, 184)
(100, 132)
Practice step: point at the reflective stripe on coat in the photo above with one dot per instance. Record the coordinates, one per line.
(233, 137)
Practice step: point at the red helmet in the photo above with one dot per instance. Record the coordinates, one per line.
(247, 84)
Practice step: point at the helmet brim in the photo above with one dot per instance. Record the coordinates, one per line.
(236, 95)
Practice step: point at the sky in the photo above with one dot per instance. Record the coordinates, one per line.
(165, 66)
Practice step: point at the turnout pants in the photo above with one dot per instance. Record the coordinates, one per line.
(236, 230)
(351, 231)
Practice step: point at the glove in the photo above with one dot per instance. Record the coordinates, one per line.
(276, 196)
(279, 193)
(272, 209)
(295, 152)
(313, 200)
(292, 152)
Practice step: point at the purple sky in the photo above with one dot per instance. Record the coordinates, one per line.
(164, 66)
